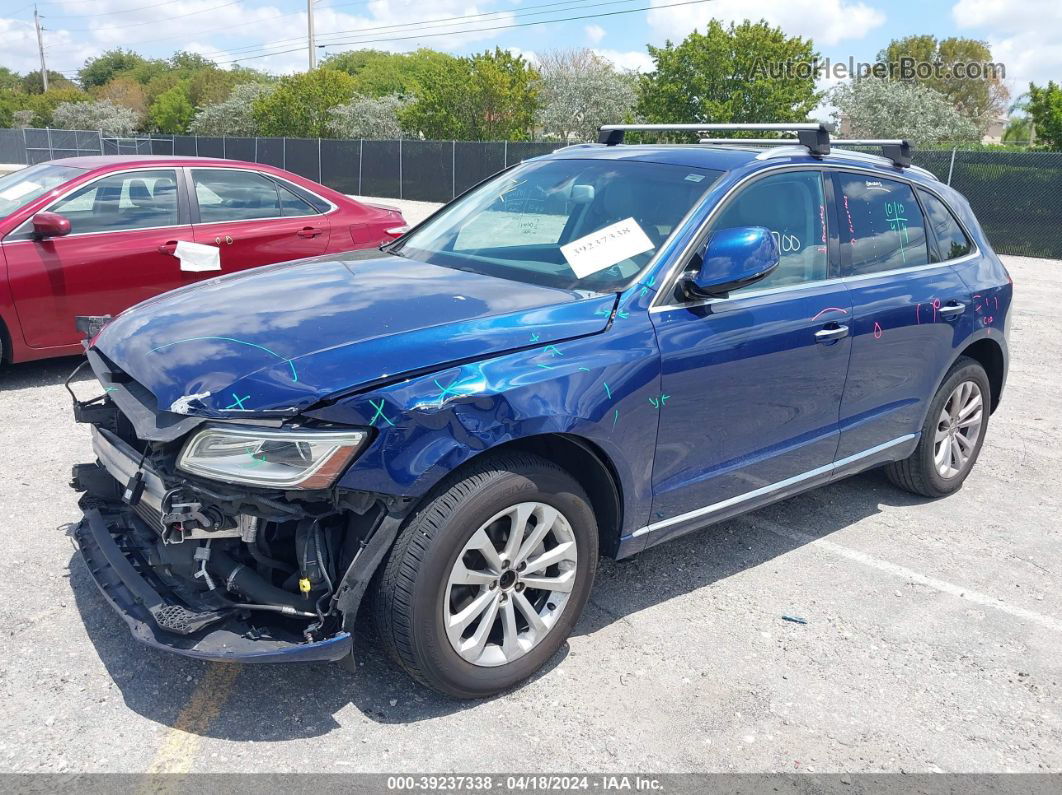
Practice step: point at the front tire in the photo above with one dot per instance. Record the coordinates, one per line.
(952, 435)
(488, 578)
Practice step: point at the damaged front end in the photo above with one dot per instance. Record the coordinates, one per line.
(224, 540)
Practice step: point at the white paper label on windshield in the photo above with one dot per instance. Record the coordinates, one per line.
(605, 247)
(19, 190)
(196, 257)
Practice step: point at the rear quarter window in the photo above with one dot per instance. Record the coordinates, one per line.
(951, 241)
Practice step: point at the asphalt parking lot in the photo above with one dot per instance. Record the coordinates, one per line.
(931, 644)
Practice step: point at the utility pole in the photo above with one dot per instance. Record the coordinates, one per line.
(40, 46)
(311, 45)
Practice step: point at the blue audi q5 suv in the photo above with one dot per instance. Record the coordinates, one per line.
(587, 354)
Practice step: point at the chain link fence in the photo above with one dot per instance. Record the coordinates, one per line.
(1017, 196)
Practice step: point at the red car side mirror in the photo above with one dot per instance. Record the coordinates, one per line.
(50, 225)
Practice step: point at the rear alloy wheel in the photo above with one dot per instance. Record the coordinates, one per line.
(958, 429)
(487, 579)
(952, 435)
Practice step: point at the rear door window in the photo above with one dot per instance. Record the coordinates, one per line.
(951, 241)
(230, 195)
(881, 225)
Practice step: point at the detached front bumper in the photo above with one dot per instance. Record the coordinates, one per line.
(140, 606)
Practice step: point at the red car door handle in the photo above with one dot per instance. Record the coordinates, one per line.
(309, 231)
(169, 247)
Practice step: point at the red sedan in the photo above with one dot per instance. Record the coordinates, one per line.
(95, 235)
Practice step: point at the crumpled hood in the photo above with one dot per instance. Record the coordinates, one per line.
(283, 337)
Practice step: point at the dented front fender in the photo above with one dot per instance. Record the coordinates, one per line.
(601, 389)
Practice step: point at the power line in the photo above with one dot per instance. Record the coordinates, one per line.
(119, 11)
(430, 23)
(480, 30)
(156, 21)
(267, 19)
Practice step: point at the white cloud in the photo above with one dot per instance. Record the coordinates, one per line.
(1023, 36)
(594, 33)
(633, 60)
(528, 55)
(62, 51)
(243, 30)
(826, 21)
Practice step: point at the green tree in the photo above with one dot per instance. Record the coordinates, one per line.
(161, 83)
(147, 71)
(872, 107)
(504, 96)
(299, 105)
(99, 71)
(32, 83)
(730, 74)
(980, 99)
(43, 105)
(10, 103)
(190, 62)
(1045, 110)
(9, 80)
(488, 97)
(381, 74)
(172, 111)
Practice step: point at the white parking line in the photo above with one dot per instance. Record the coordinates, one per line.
(908, 574)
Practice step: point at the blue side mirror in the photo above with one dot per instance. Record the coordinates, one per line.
(731, 259)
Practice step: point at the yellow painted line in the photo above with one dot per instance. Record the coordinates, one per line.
(178, 750)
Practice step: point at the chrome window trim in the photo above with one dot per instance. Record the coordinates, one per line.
(332, 206)
(674, 271)
(65, 194)
(768, 489)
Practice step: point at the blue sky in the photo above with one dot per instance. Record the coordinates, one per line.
(270, 34)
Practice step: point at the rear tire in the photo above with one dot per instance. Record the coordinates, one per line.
(487, 579)
(952, 434)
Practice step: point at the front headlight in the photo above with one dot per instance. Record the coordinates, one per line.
(276, 459)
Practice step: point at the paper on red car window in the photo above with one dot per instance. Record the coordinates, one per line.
(196, 257)
(605, 247)
(19, 190)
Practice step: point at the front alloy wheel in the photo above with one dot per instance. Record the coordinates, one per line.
(510, 584)
(488, 577)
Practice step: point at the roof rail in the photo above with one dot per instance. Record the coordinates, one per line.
(813, 136)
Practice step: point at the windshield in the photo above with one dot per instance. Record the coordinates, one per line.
(21, 187)
(579, 224)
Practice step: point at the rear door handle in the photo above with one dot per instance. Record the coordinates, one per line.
(169, 247)
(952, 309)
(831, 333)
(309, 231)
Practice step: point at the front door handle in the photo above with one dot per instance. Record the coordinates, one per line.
(831, 333)
(309, 231)
(952, 309)
(169, 247)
